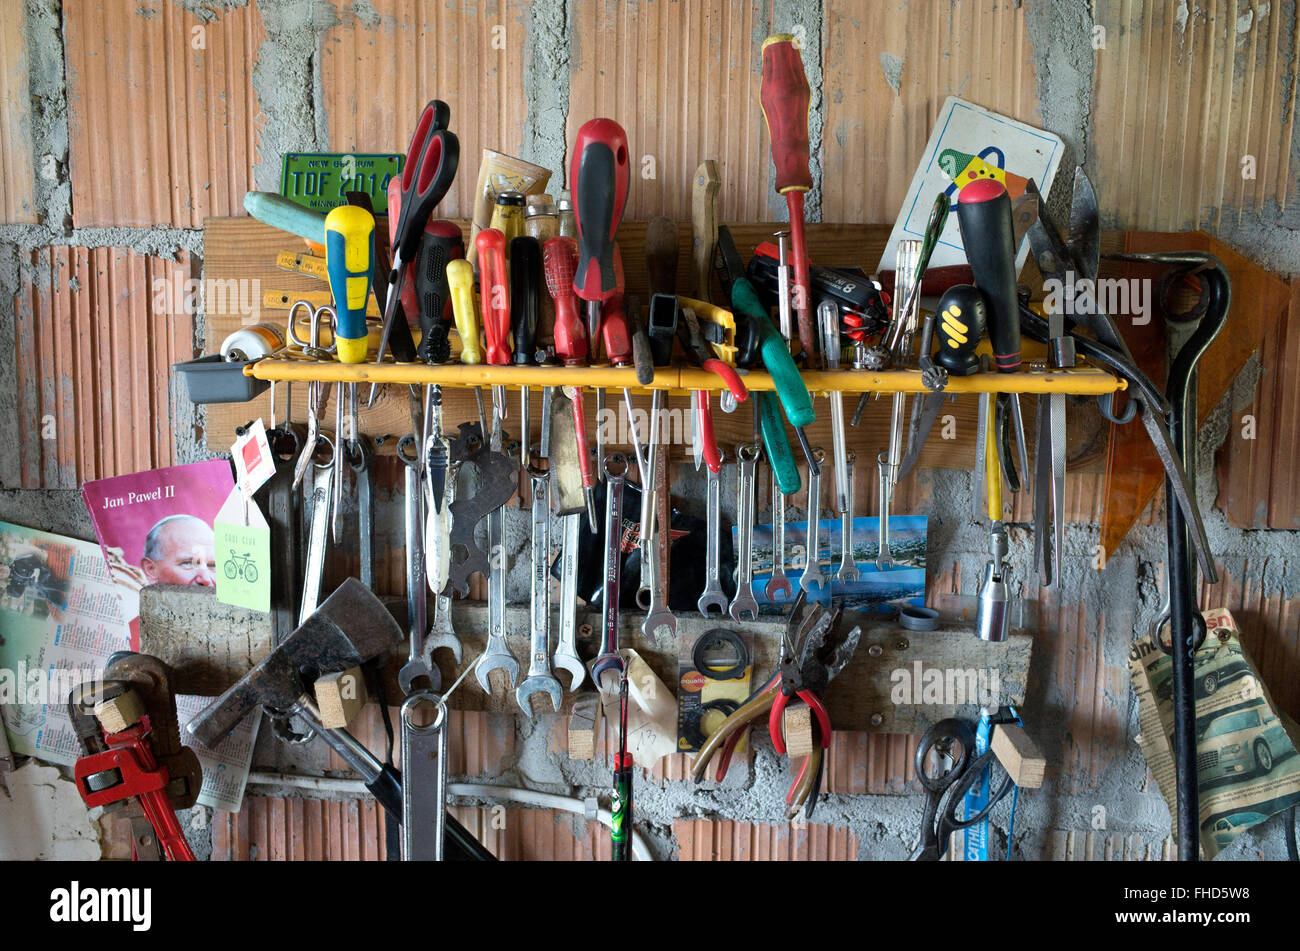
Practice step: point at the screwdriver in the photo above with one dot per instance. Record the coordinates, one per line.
(440, 244)
(785, 97)
(350, 264)
(525, 304)
(494, 293)
(460, 283)
(599, 179)
(559, 261)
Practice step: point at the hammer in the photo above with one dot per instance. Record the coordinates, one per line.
(350, 627)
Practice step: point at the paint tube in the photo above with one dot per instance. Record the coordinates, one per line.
(501, 173)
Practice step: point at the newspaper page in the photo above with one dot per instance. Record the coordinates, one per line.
(60, 621)
(226, 767)
(1246, 760)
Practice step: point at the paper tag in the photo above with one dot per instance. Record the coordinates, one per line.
(242, 540)
(253, 461)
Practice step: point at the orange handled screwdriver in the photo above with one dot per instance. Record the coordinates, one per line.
(494, 294)
(785, 97)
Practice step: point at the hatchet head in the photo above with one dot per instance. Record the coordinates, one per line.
(350, 627)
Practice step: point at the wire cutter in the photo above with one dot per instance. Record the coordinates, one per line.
(813, 653)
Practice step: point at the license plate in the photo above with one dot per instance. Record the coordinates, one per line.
(321, 180)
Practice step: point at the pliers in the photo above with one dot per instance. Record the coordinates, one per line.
(813, 655)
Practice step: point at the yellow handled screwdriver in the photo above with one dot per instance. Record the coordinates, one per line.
(460, 280)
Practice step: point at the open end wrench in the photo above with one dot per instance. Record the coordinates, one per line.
(609, 660)
(713, 596)
(566, 651)
(812, 571)
(441, 632)
(658, 615)
(649, 491)
(539, 660)
(497, 656)
(848, 566)
(743, 605)
(321, 497)
(778, 584)
(416, 601)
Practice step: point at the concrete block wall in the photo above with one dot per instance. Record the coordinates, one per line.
(130, 122)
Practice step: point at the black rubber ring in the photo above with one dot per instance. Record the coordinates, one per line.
(693, 728)
(720, 635)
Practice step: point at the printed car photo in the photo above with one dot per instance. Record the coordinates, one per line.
(1240, 742)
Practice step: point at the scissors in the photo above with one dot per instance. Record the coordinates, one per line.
(427, 173)
(947, 770)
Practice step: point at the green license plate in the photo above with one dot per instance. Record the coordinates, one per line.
(321, 180)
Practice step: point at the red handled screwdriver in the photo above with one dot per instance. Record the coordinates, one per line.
(599, 180)
(785, 96)
(559, 262)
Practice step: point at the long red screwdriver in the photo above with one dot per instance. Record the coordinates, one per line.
(785, 96)
(559, 261)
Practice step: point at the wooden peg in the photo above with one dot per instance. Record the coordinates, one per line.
(340, 697)
(1019, 755)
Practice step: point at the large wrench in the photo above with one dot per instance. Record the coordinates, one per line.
(812, 571)
(609, 660)
(566, 651)
(540, 676)
(743, 605)
(713, 596)
(497, 656)
(424, 776)
(848, 567)
(778, 583)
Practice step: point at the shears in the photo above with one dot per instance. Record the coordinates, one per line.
(427, 174)
(947, 768)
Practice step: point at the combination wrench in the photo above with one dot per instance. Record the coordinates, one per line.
(713, 596)
(497, 656)
(566, 651)
(812, 571)
(848, 566)
(609, 660)
(884, 557)
(778, 584)
(743, 605)
(539, 675)
(424, 776)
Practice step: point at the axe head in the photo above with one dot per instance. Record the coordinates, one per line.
(350, 627)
